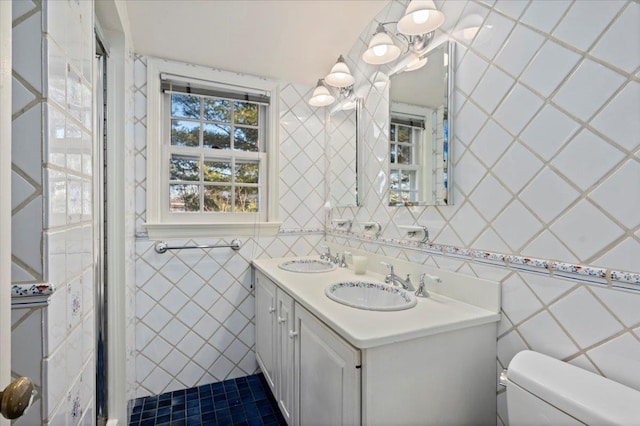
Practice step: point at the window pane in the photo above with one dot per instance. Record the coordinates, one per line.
(392, 133)
(217, 171)
(247, 172)
(403, 154)
(185, 133)
(246, 113)
(216, 136)
(185, 106)
(392, 153)
(184, 168)
(245, 139)
(217, 110)
(217, 198)
(394, 179)
(403, 134)
(184, 198)
(246, 199)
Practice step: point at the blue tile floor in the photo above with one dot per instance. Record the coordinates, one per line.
(243, 401)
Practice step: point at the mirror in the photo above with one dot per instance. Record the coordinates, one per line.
(343, 131)
(420, 131)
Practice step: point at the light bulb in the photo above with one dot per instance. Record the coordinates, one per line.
(380, 50)
(420, 16)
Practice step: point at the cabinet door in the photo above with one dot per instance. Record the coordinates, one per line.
(285, 347)
(266, 327)
(327, 375)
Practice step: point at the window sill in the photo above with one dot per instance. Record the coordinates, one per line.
(162, 231)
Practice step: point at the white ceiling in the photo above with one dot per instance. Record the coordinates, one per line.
(290, 40)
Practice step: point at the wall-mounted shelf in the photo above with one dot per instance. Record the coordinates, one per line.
(343, 223)
(371, 227)
(416, 232)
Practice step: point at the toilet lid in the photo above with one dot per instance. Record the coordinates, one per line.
(584, 395)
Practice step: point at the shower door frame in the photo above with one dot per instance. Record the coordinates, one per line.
(5, 192)
(113, 41)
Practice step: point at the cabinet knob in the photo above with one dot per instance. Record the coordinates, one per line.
(271, 310)
(281, 320)
(293, 334)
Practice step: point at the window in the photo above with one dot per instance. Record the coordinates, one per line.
(211, 153)
(405, 143)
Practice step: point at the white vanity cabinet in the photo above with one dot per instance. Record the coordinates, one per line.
(331, 364)
(328, 372)
(312, 372)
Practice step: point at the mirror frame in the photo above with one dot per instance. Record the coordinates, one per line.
(447, 172)
(357, 200)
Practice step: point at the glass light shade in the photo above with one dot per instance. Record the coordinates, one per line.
(321, 96)
(340, 75)
(421, 17)
(382, 49)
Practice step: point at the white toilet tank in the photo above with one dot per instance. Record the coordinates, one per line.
(545, 391)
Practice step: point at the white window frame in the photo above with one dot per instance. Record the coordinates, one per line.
(161, 224)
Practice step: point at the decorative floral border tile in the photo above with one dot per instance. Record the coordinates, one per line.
(627, 277)
(295, 231)
(28, 290)
(501, 259)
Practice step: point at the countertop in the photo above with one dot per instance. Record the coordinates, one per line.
(367, 329)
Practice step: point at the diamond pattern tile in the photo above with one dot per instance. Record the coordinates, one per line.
(619, 359)
(584, 318)
(554, 342)
(548, 195)
(587, 89)
(536, 163)
(519, 301)
(517, 167)
(626, 212)
(618, 119)
(492, 88)
(517, 109)
(596, 159)
(588, 226)
(622, 37)
(548, 131)
(490, 143)
(492, 35)
(549, 67)
(584, 22)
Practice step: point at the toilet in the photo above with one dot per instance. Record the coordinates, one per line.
(545, 391)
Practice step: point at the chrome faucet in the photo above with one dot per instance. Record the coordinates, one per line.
(394, 279)
(422, 290)
(326, 255)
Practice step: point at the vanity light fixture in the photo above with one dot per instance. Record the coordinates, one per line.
(416, 29)
(421, 17)
(341, 79)
(321, 95)
(382, 49)
(340, 75)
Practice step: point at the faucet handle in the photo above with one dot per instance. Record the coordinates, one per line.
(422, 290)
(326, 255)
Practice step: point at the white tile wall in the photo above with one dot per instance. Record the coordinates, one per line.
(536, 161)
(545, 165)
(194, 314)
(53, 236)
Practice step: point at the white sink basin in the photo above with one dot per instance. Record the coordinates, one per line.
(307, 265)
(371, 296)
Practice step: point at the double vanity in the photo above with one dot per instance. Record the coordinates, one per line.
(338, 348)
